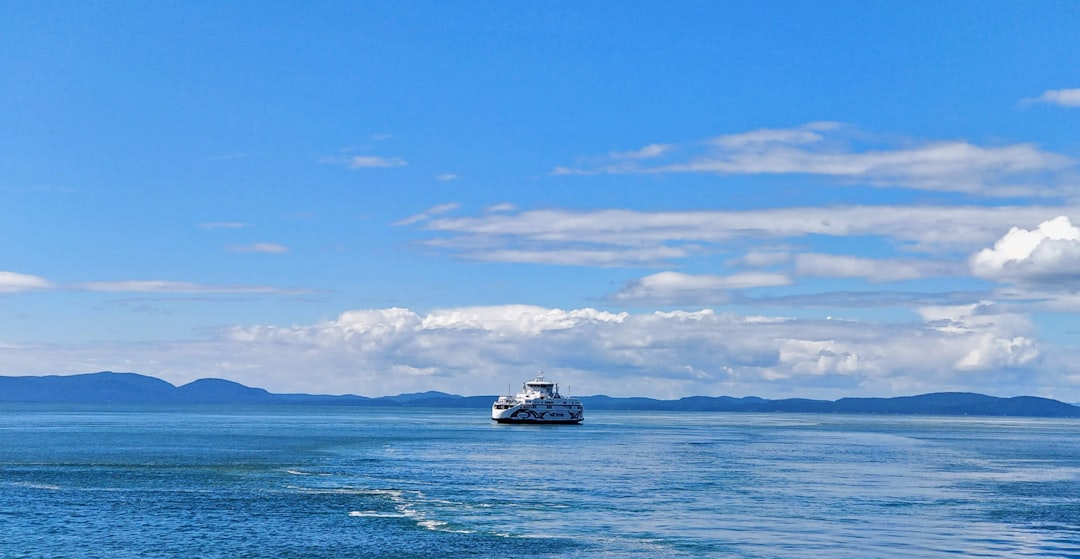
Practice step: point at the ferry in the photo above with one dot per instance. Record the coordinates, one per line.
(538, 402)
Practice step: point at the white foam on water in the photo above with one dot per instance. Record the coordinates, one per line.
(32, 485)
(303, 473)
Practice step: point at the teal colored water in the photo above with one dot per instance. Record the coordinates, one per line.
(360, 483)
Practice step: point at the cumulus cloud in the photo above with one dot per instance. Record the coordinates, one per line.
(675, 288)
(820, 149)
(994, 340)
(12, 282)
(1062, 97)
(477, 350)
(1048, 255)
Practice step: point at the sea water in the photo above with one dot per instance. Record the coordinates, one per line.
(317, 482)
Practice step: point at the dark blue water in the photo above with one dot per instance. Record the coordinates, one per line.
(359, 483)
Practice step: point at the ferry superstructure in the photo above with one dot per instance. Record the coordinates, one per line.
(538, 402)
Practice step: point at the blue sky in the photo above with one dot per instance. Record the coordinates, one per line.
(775, 199)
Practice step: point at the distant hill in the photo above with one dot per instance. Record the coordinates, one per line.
(131, 388)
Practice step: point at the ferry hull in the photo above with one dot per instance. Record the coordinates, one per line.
(540, 421)
(551, 417)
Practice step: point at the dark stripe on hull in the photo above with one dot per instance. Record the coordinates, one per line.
(540, 421)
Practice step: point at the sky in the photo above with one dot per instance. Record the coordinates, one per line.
(775, 199)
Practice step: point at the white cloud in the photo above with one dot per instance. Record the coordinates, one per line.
(373, 162)
(503, 207)
(477, 350)
(1048, 255)
(639, 256)
(364, 161)
(224, 225)
(873, 269)
(763, 258)
(157, 286)
(955, 166)
(1062, 97)
(806, 134)
(516, 319)
(269, 248)
(994, 340)
(675, 288)
(625, 237)
(446, 177)
(648, 152)
(429, 213)
(12, 282)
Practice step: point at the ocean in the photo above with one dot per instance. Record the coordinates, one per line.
(322, 482)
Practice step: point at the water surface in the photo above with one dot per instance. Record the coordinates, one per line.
(314, 482)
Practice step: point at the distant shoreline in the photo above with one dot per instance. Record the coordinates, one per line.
(132, 388)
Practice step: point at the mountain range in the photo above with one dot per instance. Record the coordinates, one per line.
(131, 388)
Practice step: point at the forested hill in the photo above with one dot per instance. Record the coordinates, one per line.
(131, 388)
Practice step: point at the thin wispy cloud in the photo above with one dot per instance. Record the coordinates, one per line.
(266, 248)
(675, 288)
(428, 213)
(559, 236)
(822, 149)
(446, 177)
(596, 257)
(648, 152)
(13, 282)
(1060, 97)
(876, 270)
(374, 162)
(365, 161)
(176, 287)
(224, 225)
(503, 207)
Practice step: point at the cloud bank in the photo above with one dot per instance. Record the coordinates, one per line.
(478, 350)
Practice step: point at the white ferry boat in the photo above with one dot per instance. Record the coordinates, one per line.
(538, 402)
